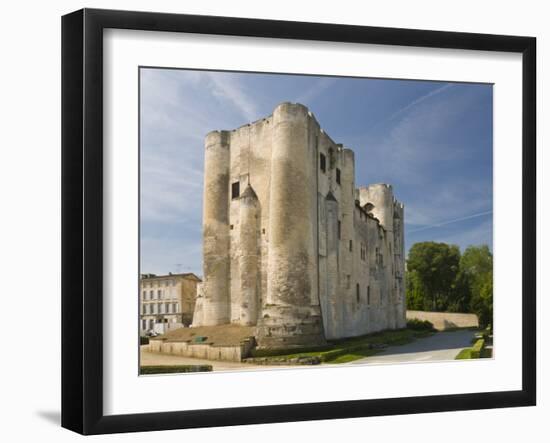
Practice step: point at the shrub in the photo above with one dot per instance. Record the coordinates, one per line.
(143, 340)
(420, 325)
(477, 348)
(465, 354)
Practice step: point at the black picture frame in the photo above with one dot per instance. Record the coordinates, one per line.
(82, 218)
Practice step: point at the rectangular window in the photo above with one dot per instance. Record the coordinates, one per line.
(235, 190)
(358, 293)
(348, 281)
(144, 295)
(351, 245)
(337, 175)
(323, 162)
(143, 324)
(368, 295)
(339, 229)
(151, 295)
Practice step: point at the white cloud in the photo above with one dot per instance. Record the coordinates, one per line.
(227, 87)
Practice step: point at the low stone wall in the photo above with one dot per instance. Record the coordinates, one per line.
(445, 320)
(204, 351)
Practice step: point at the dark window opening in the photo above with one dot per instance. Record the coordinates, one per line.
(358, 293)
(337, 175)
(235, 190)
(263, 230)
(339, 229)
(231, 227)
(323, 163)
(351, 245)
(368, 295)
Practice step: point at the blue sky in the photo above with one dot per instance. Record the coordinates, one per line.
(431, 140)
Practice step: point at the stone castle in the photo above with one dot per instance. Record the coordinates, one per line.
(290, 244)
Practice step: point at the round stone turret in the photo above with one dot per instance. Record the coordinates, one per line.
(249, 254)
(216, 229)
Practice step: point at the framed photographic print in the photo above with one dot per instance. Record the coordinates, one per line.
(272, 221)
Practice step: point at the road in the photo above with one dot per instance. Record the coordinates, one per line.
(438, 347)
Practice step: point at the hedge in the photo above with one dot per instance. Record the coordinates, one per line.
(477, 348)
(174, 369)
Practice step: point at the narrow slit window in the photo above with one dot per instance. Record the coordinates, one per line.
(351, 245)
(323, 162)
(337, 175)
(368, 295)
(358, 292)
(339, 229)
(235, 190)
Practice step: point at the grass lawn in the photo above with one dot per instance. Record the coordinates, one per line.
(173, 369)
(346, 350)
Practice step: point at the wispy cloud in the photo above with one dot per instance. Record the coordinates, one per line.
(448, 222)
(419, 100)
(227, 87)
(317, 89)
(478, 234)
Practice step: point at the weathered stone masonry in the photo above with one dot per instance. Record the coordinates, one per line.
(290, 244)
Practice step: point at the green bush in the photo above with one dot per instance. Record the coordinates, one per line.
(476, 351)
(465, 354)
(174, 369)
(420, 325)
(143, 340)
(477, 348)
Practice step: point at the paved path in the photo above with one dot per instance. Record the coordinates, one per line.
(156, 358)
(438, 347)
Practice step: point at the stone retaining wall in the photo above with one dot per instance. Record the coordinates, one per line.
(445, 320)
(204, 351)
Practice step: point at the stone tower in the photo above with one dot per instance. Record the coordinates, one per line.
(290, 244)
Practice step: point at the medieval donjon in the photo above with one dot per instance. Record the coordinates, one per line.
(290, 244)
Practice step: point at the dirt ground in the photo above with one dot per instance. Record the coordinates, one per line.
(223, 335)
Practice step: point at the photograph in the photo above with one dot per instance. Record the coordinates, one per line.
(292, 221)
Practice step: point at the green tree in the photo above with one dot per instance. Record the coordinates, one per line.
(415, 292)
(460, 295)
(434, 268)
(477, 265)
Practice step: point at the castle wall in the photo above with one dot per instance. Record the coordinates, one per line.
(303, 260)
